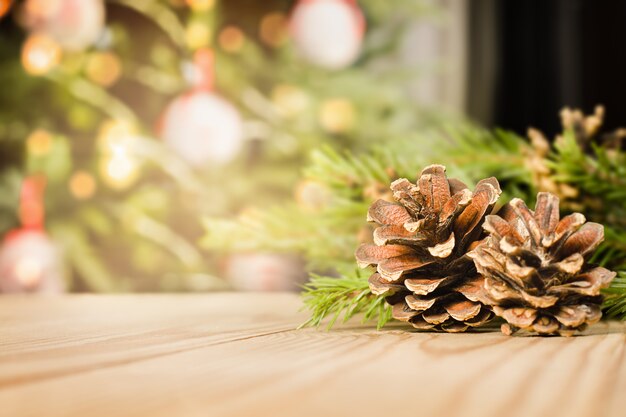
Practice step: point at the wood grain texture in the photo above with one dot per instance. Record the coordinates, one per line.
(240, 355)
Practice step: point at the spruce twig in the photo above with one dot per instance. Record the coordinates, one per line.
(615, 303)
(345, 296)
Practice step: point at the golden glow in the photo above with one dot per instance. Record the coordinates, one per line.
(273, 29)
(201, 5)
(231, 39)
(5, 5)
(28, 270)
(337, 115)
(312, 196)
(40, 54)
(289, 100)
(103, 68)
(82, 185)
(39, 142)
(197, 35)
(119, 171)
(118, 167)
(114, 132)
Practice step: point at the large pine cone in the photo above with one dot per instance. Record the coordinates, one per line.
(535, 269)
(420, 249)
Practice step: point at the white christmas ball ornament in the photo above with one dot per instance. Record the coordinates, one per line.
(74, 24)
(30, 262)
(328, 33)
(203, 128)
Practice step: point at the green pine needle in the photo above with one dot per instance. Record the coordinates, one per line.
(345, 296)
(615, 303)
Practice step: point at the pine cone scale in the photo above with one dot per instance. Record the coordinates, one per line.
(547, 212)
(419, 303)
(463, 310)
(425, 286)
(587, 283)
(379, 286)
(367, 255)
(384, 212)
(468, 222)
(436, 315)
(392, 269)
(584, 241)
(396, 234)
(434, 187)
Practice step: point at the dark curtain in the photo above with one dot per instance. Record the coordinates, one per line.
(529, 58)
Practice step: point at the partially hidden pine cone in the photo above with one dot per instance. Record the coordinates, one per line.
(420, 250)
(535, 269)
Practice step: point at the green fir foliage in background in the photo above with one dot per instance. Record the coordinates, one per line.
(587, 173)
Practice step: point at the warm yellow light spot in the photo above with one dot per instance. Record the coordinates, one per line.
(273, 29)
(28, 270)
(337, 115)
(231, 39)
(40, 54)
(39, 142)
(82, 185)
(197, 35)
(103, 68)
(118, 166)
(5, 5)
(119, 171)
(114, 132)
(201, 5)
(289, 100)
(312, 196)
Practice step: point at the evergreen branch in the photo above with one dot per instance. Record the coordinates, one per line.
(615, 303)
(601, 173)
(345, 296)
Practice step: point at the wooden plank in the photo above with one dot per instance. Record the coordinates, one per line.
(50, 336)
(238, 355)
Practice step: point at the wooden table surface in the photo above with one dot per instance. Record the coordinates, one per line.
(240, 355)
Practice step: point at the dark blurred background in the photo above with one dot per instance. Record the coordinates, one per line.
(530, 58)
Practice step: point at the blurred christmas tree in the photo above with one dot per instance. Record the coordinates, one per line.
(136, 118)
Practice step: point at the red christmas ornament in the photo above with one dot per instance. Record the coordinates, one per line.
(328, 33)
(29, 259)
(201, 126)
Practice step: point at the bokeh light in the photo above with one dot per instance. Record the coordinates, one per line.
(231, 39)
(103, 68)
(337, 115)
(39, 142)
(312, 195)
(82, 185)
(273, 29)
(40, 54)
(289, 100)
(118, 166)
(197, 35)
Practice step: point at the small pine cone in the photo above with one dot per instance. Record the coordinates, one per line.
(535, 269)
(420, 250)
